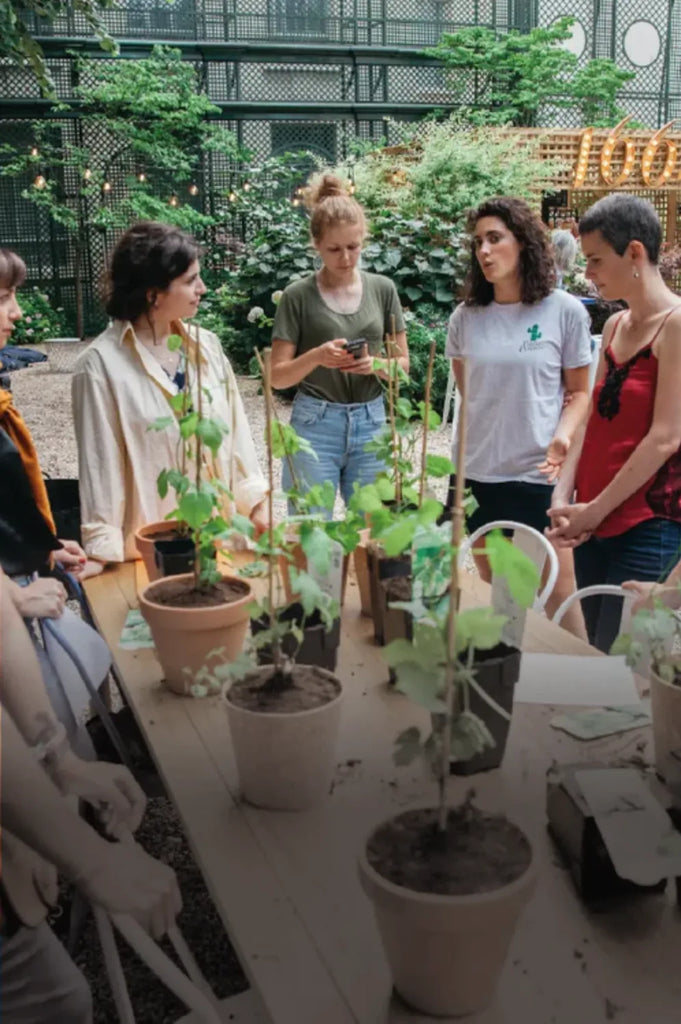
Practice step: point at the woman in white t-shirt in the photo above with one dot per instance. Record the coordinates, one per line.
(526, 344)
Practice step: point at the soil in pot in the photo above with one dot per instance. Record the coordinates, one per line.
(497, 672)
(305, 689)
(478, 853)
(183, 594)
(319, 646)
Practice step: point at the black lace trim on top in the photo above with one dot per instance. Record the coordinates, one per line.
(609, 398)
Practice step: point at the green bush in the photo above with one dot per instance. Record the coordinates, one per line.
(40, 319)
(429, 324)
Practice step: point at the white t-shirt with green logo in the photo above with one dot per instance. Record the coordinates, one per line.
(516, 354)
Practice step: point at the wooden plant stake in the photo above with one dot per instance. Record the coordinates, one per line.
(426, 418)
(275, 414)
(454, 597)
(392, 386)
(266, 363)
(199, 455)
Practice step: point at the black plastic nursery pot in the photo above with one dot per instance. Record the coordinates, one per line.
(497, 672)
(174, 557)
(319, 647)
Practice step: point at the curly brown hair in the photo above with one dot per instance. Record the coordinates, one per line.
(537, 271)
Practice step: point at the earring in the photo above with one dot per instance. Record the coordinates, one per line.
(636, 273)
(317, 262)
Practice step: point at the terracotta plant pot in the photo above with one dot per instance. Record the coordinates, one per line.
(285, 760)
(319, 646)
(446, 952)
(145, 539)
(665, 703)
(184, 637)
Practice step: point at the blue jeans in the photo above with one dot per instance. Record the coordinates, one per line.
(647, 552)
(338, 433)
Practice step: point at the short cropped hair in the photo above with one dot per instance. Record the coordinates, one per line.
(148, 257)
(622, 219)
(12, 269)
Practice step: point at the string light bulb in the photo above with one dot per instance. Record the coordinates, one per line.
(173, 201)
(232, 197)
(583, 158)
(87, 174)
(106, 187)
(193, 190)
(246, 186)
(141, 177)
(295, 202)
(34, 151)
(39, 182)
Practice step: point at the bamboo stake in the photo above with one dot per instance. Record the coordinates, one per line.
(424, 448)
(454, 597)
(394, 354)
(267, 384)
(275, 414)
(199, 456)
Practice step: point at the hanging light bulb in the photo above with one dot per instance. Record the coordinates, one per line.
(295, 202)
(34, 151)
(39, 182)
(246, 186)
(193, 190)
(87, 174)
(173, 201)
(232, 197)
(106, 187)
(141, 176)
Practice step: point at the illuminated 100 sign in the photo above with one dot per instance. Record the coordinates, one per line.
(626, 160)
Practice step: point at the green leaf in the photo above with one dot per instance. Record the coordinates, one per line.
(177, 401)
(162, 423)
(162, 484)
(520, 572)
(175, 342)
(307, 590)
(188, 425)
(478, 627)
(396, 538)
(368, 499)
(439, 466)
(317, 546)
(412, 292)
(422, 686)
(469, 736)
(407, 746)
(195, 509)
(211, 433)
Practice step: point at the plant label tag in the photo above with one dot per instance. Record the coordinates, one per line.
(642, 842)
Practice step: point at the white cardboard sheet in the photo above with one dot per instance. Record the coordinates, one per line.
(575, 680)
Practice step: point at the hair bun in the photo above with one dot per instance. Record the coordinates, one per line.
(326, 186)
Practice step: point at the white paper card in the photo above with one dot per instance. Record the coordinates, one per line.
(572, 679)
(641, 840)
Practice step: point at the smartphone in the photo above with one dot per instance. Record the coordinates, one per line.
(356, 347)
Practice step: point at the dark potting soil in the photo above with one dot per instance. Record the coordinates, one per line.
(181, 594)
(478, 853)
(398, 588)
(269, 692)
(165, 535)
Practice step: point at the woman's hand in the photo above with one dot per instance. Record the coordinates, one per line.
(42, 599)
(571, 525)
(364, 365)
(260, 518)
(555, 457)
(644, 593)
(334, 356)
(70, 556)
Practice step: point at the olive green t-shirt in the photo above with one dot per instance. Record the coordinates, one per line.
(304, 318)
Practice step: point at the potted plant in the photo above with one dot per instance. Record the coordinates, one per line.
(447, 883)
(284, 716)
(192, 614)
(652, 648)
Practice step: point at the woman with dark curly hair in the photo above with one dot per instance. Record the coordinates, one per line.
(526, 344)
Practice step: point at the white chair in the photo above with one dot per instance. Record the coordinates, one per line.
(601, 589)
(527, 539)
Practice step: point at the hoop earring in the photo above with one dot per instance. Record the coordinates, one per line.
(636, 273)
(317, 262)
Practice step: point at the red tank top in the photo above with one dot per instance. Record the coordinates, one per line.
(623, 404)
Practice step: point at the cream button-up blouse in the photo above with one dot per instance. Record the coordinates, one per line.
(118, 390)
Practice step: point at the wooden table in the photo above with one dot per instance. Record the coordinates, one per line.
(286, 885)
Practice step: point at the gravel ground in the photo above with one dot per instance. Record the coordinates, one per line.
(44, 399)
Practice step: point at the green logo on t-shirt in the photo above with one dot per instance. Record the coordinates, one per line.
(534, 341)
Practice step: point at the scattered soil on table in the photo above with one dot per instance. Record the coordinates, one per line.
(478, 853)
(268, 692)
(181, 594)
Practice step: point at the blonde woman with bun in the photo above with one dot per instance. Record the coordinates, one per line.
(339, 405)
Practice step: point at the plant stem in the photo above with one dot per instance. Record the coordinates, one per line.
(393, 427)
(275, 414)
(426, 418)
(199, 455)
(267, 385)
(454, 597)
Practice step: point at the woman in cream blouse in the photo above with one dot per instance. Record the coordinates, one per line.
(124, 382)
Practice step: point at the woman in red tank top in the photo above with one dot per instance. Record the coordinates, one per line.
(624, 467)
